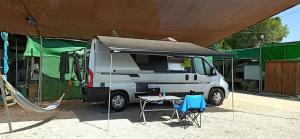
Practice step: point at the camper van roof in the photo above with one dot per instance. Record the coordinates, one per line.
(157, 47)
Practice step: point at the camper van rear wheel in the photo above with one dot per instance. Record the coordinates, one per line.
(118, 101)
(216, 96)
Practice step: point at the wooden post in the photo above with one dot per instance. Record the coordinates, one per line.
(16, 43)
(3, 92)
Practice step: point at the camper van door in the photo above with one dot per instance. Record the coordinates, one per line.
(203, 75)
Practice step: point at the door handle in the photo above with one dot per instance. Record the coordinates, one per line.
(195, 77)
(187, 77)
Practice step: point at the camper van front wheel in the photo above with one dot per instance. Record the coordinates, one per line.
(118, 101)
(216, 96)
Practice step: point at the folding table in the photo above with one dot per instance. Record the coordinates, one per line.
(148, 99)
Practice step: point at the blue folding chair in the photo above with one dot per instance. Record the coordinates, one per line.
(191, 109)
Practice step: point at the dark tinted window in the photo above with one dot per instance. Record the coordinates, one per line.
(151, 62)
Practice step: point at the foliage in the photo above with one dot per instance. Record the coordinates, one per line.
(267, 31)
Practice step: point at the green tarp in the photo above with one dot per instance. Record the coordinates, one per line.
(276, 51)
(269, 52)
(52, 87)
(249, 53)
(52, 47)
(51, 53)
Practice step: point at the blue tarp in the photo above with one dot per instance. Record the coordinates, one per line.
(4, 36)
(192, 101)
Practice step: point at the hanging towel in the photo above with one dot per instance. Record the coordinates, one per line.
(64, 65)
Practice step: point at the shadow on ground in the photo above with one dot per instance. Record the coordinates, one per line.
(91, 112)
(31, 126)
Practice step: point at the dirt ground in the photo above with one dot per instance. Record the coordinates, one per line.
(255, 117)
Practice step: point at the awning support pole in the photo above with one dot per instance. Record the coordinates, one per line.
(232, 86)
(40, 71)
(109, 92)
(5, 104)
(85, 67)
(223, 68)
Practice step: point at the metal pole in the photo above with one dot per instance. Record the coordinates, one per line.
(232, 88)
(260, 72)
(3, 92)
(109, 91)
(223, 68)
(41, 71)
(16, 81)
(85, 67)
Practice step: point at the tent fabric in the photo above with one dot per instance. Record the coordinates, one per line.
(197, 21)
(156, 47)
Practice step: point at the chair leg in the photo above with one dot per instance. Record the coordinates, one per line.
(184, 120)
(177, 115)
(200, 120)
(194, 118)
(173, 114)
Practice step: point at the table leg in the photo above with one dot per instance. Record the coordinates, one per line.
(175, 111)
(143, 104)
(144, 112)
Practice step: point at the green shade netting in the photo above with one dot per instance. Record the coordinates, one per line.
(276, 51)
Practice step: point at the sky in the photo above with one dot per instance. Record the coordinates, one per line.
(291, 18)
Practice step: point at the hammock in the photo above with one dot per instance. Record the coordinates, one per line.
(26, 104)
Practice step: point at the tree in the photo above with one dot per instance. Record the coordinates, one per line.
(267, 31)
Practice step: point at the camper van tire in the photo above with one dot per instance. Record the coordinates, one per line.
(119, 100)
(216, 96)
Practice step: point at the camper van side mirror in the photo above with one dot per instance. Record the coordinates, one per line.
(213, 71)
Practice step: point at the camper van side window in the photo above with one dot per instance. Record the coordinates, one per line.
(142, 59)
(198, 63)
(151, 62)
(176, 65)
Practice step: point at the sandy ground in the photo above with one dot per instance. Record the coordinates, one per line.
(255, 117)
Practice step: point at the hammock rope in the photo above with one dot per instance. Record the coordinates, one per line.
(26, 104)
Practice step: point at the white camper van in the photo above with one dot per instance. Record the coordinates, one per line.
(134, 75)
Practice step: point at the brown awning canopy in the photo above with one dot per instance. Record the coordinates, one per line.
(199, 21)
(156, 47)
